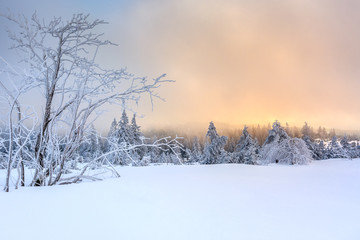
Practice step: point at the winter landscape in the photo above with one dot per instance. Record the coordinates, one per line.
(96, 142)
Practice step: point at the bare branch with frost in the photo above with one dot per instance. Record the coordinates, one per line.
(60, 61)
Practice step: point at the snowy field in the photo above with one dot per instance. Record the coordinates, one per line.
(316, 201)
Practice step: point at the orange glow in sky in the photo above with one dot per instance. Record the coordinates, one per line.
(239, 62)
(244, 62)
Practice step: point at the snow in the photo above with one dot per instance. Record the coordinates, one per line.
(316, 201)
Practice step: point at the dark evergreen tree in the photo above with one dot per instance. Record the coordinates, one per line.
(137, 138)
(135, 131)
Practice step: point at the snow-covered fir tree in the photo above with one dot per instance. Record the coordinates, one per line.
(119, 137)
(163, 158)
(276, 134)
(349, 148)
(307, 136)
(214, 147)
(113, 128)
(334, 150)
(345, 142)
(280, 148)
(187, 159)
(195, 154)
(2, 151)
(137, 138)
(135, 131)
(91, 147)
(306, 130)
(321, 150)
(94, 142)
(111, 136)
(153, 154)
(175, 158)
(247, 149)
(312, 146)
(124, 139)
(123, 132)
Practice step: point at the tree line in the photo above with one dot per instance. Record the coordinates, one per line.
(279, 146)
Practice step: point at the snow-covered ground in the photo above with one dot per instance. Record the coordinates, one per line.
(316, 201)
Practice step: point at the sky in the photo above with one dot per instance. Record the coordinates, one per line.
(234, 62)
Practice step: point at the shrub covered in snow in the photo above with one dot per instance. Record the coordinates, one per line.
(280, 148)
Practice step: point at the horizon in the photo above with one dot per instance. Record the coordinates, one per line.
(225, 128)
(234, 62)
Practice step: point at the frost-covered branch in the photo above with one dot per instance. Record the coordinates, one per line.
(60, 61)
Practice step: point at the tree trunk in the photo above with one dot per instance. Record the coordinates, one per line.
(40, 146)
(9, 166)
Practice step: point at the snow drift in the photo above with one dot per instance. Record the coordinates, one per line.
(225, 201)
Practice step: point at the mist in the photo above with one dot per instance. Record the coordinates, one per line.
(234, 62)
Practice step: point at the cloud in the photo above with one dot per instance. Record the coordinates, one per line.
(242, 61)
(249, 61)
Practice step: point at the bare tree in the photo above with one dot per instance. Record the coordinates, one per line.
(18, 133)
(74, 86)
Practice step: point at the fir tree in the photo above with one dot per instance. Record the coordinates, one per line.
(334, 150)
(91, 147)
(113, 128)
(276, 134)
(312, 147)
(345, 142)
(214, 148)
(123, 132)
(163, 158)
(122, 138)
(349, 149)
(306, 132)
(136, 138)
(196, 153)
(135, 131)
(95, 143)
(320, 150)
(111, 135)
(247, 149)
